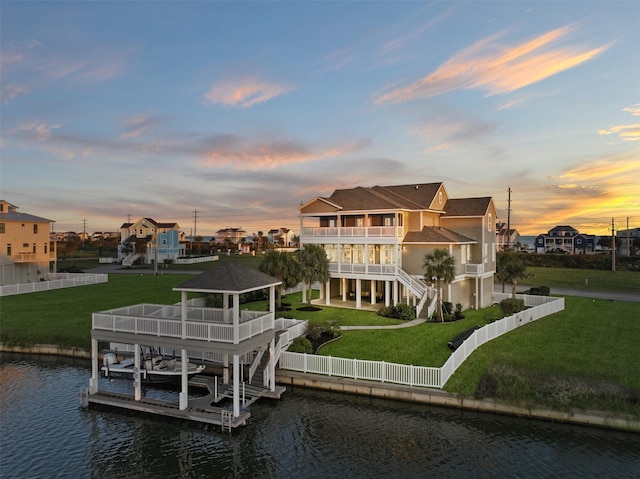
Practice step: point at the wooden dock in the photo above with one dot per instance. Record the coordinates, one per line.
(213, 408)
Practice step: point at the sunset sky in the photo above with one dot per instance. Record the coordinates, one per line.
(243, 110)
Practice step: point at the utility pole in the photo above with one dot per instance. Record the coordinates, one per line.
(84, 230)
(613, 244)
(195, 224)
(509, 219)
(628, 240)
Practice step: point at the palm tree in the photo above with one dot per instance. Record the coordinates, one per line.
(313, 265)
(510, 268)
(441, 266)
(283, 266)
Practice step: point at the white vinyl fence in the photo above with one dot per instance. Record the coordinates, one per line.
(539, 307)
(55, 281)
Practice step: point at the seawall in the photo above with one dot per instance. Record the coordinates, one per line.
(434, 397)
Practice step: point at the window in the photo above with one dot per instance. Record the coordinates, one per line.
(486, 250)
(490, 222)
(34, 248)
(35, 229)
(45, 248)
(1, 227)
(25, 245)
(8, 250)
(463, 253)
(440, 197)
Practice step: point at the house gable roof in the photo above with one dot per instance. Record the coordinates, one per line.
(410, 197)
(229, 277)
(466, 207)
(436, 234)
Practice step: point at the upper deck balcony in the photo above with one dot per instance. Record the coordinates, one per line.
(352, 232)
(202, 324)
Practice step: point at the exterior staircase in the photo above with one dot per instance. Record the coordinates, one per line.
(417, 286)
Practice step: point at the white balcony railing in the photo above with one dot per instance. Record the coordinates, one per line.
(204, 324)
(352, 232)
(474, 269)
(361, 268)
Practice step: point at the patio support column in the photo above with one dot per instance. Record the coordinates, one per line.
(272, 300)
(184, 393)
(225, 308)
(373, 291)
(225, 368)
(236, 318)
(358, 293)
(93, 383)
(236, 385)
(183, 312)
(272, 366)
(396, 292)
(387, 293)
(476, 295)
(321, 292)
(343, 285)
(137, 383)
(327, 296)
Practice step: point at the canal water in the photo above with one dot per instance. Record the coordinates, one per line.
(45, 433)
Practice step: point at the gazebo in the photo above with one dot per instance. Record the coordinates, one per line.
(231, 279)
(229, 334)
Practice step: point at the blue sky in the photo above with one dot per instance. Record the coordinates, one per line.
(243, 110)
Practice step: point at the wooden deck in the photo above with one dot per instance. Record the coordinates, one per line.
(209, 409)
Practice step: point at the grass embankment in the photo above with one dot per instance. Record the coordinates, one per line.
(584, 357)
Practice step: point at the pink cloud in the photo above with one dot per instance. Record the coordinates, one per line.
(245, 92)
(498, 69)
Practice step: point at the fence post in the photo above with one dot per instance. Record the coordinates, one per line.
(383, 367)
(355, 369)
(305, 363)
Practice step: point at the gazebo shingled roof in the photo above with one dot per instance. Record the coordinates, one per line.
(228, 277)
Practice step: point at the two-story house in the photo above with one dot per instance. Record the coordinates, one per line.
(151, 240)
(281, 236)
(27, 250)
(376, 240)
(231, 235)
(565, 239)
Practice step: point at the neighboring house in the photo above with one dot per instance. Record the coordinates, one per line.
(565, 239)
(27, 249)
(234, 235)
(282, 237)
(626, 239)
(376, 240)
(139, 239)
(506, 237)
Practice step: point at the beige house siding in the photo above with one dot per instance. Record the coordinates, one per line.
(27, 252)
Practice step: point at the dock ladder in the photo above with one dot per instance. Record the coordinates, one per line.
(227, 419)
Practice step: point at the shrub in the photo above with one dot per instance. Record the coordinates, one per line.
(405, 312)
(457, 314)
(301, 345)
(386, 311)
(538, 291)
(314, 331)
(511, 306)
(400, 311)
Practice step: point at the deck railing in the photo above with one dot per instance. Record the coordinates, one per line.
(539, 306)
(204, 324)
(352, 232)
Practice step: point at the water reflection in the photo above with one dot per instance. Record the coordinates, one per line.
(306, 434)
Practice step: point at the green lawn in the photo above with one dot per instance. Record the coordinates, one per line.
(423, 345)
(63, 316)
(585, 279)
(586, 355)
